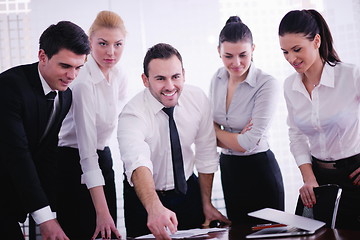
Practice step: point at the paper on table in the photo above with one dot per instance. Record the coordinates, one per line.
(186, 233)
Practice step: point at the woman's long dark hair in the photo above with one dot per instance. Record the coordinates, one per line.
(310, 22)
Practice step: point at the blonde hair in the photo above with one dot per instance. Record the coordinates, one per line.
(107, 19)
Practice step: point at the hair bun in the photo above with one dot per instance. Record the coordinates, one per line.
(234, 19)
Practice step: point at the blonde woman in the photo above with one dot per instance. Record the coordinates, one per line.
(86, 196)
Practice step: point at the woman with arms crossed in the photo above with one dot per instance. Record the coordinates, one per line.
(87, 197)
(240, 93)
(323, 101)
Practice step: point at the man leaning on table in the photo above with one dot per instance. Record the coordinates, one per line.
(161, 196)
(35, 99)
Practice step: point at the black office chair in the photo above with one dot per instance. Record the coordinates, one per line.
(327, 202)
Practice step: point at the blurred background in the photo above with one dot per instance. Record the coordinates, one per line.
(191, 26)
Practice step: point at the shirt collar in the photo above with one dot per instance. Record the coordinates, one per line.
(44, 84)
(154, 104)
(327, 78)
(250, 79)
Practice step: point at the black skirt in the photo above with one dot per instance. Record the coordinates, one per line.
(75, 210)
(251, 183)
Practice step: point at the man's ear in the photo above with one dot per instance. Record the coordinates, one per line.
(145, 80)
(42, 56)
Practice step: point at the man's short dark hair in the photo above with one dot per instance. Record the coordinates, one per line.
(64, 35)
(162, 51)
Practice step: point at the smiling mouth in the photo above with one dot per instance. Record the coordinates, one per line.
(297, 64)
(169, 94)
(237, 69)
(65, 82)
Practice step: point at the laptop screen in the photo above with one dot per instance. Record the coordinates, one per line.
(289, 219)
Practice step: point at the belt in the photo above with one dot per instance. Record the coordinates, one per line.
(165, 192)
(337, 164)
(326, 165)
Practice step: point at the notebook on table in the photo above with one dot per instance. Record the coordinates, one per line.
(295, 225)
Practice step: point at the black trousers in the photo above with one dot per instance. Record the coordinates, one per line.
(188, 208)
(348, 216)
(10, 228)
(75, 209)
(251, 183)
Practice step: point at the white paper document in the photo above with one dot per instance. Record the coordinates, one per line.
(186, 233)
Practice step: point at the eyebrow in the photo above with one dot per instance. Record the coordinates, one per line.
(159, 76)
(296, 46)
(64, 64)
(175, 74)
(101, 39)
(233, 54)
(69, 66)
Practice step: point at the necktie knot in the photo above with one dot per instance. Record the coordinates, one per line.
(51, 95)
(50, 102)
(169, 111)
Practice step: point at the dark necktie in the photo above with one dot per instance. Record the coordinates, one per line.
(50, 103)
(177, 159)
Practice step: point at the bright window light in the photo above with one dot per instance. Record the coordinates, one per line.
(14, 6)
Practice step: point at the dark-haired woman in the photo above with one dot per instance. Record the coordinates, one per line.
(244, 100)
(323, 101)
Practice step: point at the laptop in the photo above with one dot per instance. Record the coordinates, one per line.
(295, 225)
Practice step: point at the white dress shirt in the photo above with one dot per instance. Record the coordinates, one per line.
(93, 117)
(327, 124)
(144, 137)
(254, 99)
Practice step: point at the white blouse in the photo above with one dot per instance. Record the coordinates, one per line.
(93, 117)
(326, 125)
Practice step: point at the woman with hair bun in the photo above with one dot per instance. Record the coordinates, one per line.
(244, 100)
(323, 102)
(86, 192)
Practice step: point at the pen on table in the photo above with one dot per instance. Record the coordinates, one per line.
(268, 225)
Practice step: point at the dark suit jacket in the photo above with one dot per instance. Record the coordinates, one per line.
(27, 163)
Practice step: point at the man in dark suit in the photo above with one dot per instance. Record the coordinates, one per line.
(29, 131)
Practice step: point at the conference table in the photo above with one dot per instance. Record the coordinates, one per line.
(240, 232)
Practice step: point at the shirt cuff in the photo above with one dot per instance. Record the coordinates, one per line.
(42, 215)
(302, 159)
(129, 172)
(245, 143)
(207, 167)
(93, 179)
